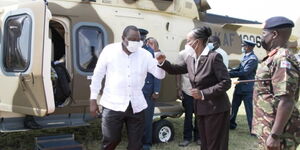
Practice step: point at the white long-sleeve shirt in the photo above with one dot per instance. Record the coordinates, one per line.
(125, 77)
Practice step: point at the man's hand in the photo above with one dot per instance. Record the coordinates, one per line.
(160, 57)
(94, 109)
(155, 96)
(196, 94)
(273, 144)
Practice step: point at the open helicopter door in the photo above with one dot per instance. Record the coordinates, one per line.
(25, 58)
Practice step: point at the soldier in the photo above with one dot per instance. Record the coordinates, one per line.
(276, 118)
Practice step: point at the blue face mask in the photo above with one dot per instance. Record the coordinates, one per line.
(210, 46)
(243, 50)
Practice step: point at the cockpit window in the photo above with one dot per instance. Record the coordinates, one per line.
(16, 48)
(90, 42)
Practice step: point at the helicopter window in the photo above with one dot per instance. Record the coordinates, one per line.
(90, 42)
(16, 49)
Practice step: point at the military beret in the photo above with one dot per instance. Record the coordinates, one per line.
(278, 22)
(248, 43)
(143, 31)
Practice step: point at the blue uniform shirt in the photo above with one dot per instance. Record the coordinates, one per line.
(245, 71)
(152, 84)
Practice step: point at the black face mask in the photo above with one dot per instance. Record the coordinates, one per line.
(264, 44)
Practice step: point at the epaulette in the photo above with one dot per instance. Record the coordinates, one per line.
(273, 52)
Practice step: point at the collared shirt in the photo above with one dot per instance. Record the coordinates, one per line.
(204, 53)
(125, 77)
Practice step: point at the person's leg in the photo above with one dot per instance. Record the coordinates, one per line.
(188, 105)
(135, 124)
(196, 131)
(202, 132)
(249, 109)
(236, 102)
(217, 131)
(188, 116)
(112, 123)
(149, 111)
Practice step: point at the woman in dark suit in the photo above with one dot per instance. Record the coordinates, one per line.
(210, 81)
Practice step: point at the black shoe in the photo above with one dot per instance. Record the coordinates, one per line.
(184, 143)
(198, 142)
(30, 123)
(253, 135)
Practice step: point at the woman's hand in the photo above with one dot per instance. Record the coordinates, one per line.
(160, 57)
(196, 94)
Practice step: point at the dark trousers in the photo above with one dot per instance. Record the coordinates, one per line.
(214, 131)
(112, 124)
(188, 128)
(236, 102)
(149, 111)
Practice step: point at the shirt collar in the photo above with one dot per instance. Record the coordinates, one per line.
(204, 53)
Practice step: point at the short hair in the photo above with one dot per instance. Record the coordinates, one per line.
(202, 33)
(214, 39)
(155, 41)
(128, 28)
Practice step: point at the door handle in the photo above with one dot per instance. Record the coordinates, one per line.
(27, 77)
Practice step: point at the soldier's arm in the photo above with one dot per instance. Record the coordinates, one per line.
(285, 86)
(284, 111)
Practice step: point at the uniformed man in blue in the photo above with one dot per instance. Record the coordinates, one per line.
(151, 92)
(244, 91)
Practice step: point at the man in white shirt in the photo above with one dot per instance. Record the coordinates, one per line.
(214, 45)
(125, 66)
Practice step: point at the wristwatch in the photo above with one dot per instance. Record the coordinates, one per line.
(275, 136)
(157, 93)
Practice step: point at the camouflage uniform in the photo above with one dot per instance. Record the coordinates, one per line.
(283, 68)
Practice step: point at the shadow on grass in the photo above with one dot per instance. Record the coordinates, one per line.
(91, 137)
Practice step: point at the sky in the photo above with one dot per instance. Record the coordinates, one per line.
(256, 10)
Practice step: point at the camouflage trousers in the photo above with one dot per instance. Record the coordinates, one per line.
(285, 144)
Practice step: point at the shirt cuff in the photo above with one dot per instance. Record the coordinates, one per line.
(202, 96)
(94, 96)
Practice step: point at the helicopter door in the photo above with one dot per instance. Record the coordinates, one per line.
(25, 73)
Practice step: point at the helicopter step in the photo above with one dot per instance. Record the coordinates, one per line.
(51, 121)
(57, 142)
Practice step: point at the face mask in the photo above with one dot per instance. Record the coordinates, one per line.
(210, 46)
(189, 48)
(133, 46)
(243, 50)
(264, 44)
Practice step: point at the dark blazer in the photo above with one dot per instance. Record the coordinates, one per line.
(152, 84)
(245, 71)
(211, 77)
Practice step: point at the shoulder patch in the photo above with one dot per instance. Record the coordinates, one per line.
(285, 64)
